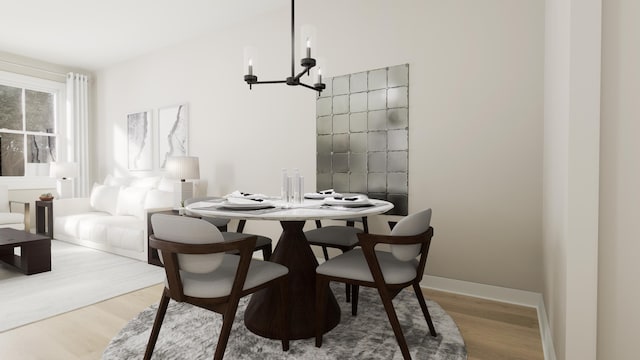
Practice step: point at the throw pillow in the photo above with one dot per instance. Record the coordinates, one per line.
(104, 198)
(145, 182)
(158, 199)
(111, 180)
(131, 201)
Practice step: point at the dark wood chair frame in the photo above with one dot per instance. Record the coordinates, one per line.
(267, 249)
(226, 305)
(344, 248)
(350, 223)
(387, 292)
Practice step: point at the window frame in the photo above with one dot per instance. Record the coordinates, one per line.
(61, 126)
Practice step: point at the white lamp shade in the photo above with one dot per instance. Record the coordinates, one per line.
(61, 170)
(183, 167)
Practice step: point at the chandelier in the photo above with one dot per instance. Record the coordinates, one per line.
(294, 80)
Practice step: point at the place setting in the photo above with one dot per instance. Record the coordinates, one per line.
(334, 200)
(239, 201)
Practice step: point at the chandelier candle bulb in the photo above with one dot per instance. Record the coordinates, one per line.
(250, 66)
(308, 48)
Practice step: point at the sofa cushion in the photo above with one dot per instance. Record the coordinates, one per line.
(116, 181)
(150, 182)
(11, 218)
(131, 201)
(158, 199)
(167, 184)
(104, 198)
(69, 225)
(124, 232)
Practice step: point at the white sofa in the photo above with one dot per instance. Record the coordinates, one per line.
(114, 217)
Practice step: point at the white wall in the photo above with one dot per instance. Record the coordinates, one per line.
(571, 174)
(619, 293)
(475, 116)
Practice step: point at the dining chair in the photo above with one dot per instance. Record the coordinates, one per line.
(263, 243)
(199, 271)
(388, 272)
(339, 237)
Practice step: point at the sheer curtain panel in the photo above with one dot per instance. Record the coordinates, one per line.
(78, 131)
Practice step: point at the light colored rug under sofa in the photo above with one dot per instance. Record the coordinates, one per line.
(190, 333)
(79, 277)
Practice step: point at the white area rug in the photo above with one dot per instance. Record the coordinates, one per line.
(79, 277)
(191, 333)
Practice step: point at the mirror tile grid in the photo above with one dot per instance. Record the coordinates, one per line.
(363, 135)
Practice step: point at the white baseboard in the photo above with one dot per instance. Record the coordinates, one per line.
(497, 293)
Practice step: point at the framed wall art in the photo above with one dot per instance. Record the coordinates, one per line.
(173, 136)
(363, 135)
(139, 146)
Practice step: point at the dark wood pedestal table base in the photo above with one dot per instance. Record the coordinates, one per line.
(294, 252)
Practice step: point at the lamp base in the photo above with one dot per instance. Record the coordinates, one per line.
(64, 187)
(182, 191)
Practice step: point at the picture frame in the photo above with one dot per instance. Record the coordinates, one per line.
(173, 132)
(139, 143)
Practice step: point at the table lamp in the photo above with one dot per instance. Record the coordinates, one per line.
(64, 171)
(182, 168)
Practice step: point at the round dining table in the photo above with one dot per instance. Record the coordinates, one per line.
(293, 251)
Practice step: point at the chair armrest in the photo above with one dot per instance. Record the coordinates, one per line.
(25, 211)
(375, 239)
(71, 206)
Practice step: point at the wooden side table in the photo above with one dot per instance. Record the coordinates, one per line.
(44, 218)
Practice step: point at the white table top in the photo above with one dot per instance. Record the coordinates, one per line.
(308, 210)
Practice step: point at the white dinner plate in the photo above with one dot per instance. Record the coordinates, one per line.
(246, 204)
(319, 196)
(348, 201)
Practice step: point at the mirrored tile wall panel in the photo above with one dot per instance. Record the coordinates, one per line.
(363, 135)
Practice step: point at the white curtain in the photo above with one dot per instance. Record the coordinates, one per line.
(78, 130)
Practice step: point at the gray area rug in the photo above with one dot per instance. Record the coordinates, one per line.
(191, 333)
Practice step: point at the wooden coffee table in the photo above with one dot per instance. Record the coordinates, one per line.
(35, 250)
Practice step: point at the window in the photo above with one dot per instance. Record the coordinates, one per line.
(30, 109)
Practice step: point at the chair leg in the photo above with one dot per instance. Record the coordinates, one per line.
(157, 323)
(286, 310)
(355, 289)
(395, 323)
(241, 225)
(322, 284)
(227, 322)
(266, 252)
(325, 253)
(347, 290)
(425, 310)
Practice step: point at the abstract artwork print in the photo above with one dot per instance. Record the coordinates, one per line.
(172, 132)
(140, 151)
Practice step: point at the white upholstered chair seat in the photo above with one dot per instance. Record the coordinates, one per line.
(353, 265)
(219, 282)
(334, 235)
(12, 218)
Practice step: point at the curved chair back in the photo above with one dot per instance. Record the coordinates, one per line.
(413, 224)
(187, 230)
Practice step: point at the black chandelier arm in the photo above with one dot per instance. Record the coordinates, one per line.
(303, 72)
(308, 86)
(307, 63)
(270, 82)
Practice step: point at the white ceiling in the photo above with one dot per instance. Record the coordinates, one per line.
(93, 34)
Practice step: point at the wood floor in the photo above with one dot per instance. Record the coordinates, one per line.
(491, 330)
